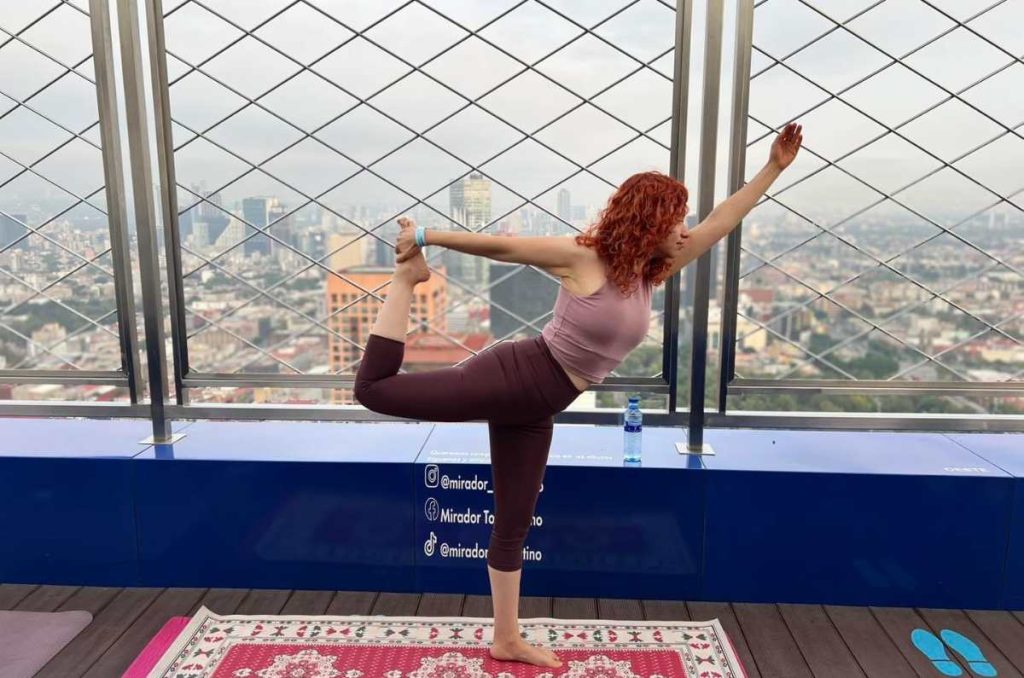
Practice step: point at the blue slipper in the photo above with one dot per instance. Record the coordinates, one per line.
(933, 648)
(969, 651)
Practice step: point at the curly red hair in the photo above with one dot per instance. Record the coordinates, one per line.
(637, 218)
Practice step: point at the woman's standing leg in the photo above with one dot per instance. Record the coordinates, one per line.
(519, 457)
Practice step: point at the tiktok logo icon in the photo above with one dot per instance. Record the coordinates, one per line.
(428, 546)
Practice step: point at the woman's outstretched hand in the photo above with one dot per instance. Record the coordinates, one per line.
(406, 246)
(786, 145)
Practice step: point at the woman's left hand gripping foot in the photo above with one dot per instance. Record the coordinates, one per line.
(410, 263)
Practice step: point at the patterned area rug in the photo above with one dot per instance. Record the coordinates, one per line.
(356, 646)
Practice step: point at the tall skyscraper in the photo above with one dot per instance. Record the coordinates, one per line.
(256, 212)
(232, 234)
(186, 223)
(528, 294)
(283, 229)
(564, 205)
(469, 201)
(383, 253)
(210, 210)
(200, 235)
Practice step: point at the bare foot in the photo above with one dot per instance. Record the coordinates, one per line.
(414, 269)
(521, 651)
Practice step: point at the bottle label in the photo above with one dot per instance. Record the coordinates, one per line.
(633, 428)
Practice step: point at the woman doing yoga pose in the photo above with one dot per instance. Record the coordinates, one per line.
(601, 313)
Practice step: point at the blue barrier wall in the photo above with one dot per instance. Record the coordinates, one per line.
(1006, 452)
(898, 519)
(780, 516)
(597, 526)
(279, 505)
(65, 501)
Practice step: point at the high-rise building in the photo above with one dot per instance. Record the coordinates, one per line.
(282, 226)
(528, 294)
(186, 224)
(469, 201)
(211, 211)
(564, 205)
(256, 213)
(349, 250)
(232, 234)
(352, 314)
(200, 234)
(383, 250)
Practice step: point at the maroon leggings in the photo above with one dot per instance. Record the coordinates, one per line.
(516, 386)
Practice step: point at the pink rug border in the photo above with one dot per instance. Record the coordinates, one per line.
(156, 647)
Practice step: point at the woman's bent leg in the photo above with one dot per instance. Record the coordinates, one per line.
(474, 390)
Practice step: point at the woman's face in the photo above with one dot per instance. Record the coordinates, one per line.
(675, 240)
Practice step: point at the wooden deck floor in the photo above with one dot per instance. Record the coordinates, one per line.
(774, 641)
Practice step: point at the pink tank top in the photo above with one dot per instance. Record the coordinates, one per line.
(590, 335)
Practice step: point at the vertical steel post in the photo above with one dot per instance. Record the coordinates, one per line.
(677, 169)
(708, 141)
(145, 217)
(168, 193)
(117, 205)
(737, 168)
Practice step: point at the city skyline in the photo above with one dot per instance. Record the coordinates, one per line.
(895, 259)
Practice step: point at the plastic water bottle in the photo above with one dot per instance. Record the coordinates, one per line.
(632, 430)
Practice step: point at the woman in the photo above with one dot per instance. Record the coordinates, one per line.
(601, 313)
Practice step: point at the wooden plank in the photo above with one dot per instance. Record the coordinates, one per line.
(12, 594)
(108, 624)
(723, 612)
(669, 610)
(483, 606)
(46, 598)
(619, 608)
(771, 643)
(94, 599)
(1004, 630)
(956, 620)
(440, 605)
(574, 608)
(352, 603)
(871, 646)
(264, 601)
(899, 623)
(308, 602)
(170, 603)
(397, 604)
(533, 606)
(821, 645)
(220, 601)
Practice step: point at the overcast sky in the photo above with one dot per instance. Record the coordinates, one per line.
(590, 64)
